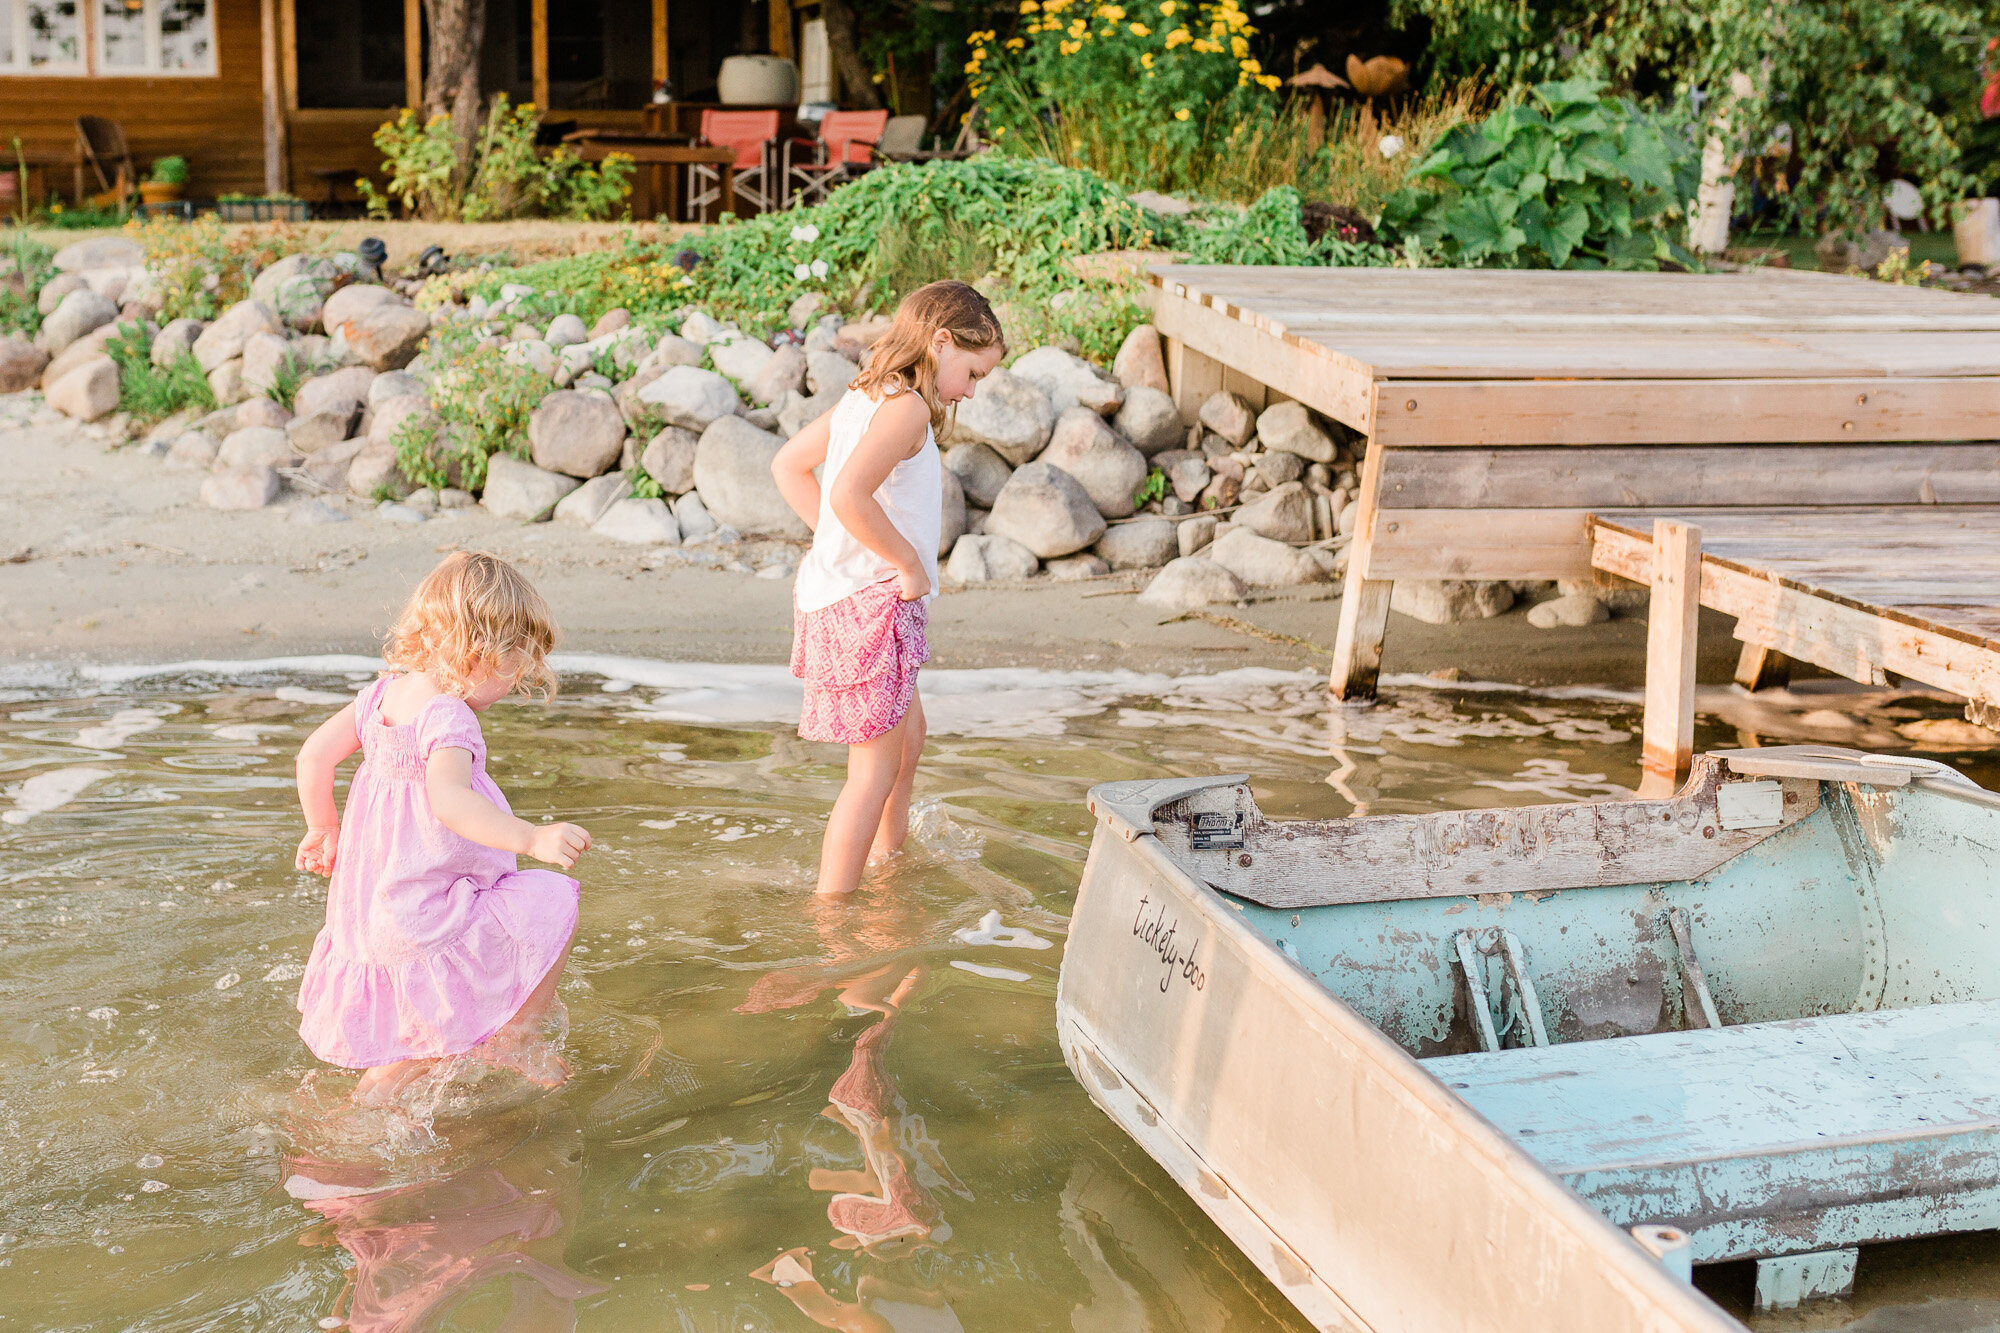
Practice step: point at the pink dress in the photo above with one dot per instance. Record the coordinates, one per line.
(432, 941)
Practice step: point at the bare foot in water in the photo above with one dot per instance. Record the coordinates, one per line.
(791, 1268)
(528, 1053)
(383, 1084)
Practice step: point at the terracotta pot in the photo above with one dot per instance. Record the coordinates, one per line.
(160, 192)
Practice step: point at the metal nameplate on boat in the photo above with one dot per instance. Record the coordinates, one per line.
(1216, 831)
(1742, 805)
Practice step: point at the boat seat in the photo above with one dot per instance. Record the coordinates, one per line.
(1770, 1138)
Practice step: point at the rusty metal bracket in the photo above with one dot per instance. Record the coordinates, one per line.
(1127, 807)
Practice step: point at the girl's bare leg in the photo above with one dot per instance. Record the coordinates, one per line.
(519, 1044)
(812, 1299)
(379, 1086)
(894, 827)
(873, 768)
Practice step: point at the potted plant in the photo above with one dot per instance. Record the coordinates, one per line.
(168, 180)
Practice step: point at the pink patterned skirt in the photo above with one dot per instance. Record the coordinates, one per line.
(859, 660)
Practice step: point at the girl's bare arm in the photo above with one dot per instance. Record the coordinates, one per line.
(448, 784)
(331, 742)
(793, 466)
(896, 433)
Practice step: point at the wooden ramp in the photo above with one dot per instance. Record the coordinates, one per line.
(1503, 408)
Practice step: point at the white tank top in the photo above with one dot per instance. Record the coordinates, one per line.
(912, 495)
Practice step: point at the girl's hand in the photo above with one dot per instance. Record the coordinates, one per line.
(559, 844)
(316, 850)
(912, 584)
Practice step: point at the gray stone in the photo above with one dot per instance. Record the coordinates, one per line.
(87, 348)
(374, 470)
(520, 490)
(741, 359)
(702, 329)
(1289, 428)
(1261, 561)
(1150, 421)
(1110, 470)
(674, 350)
(1195, 533)
(763, 418)
(194, 449)
(576, 433)
(1230, 417)
(328, 467)
(692, 397)
(1187, 472)
(258, 412)
(951, 517)
(611, 321)
(797, 411)
(100, 252)
(224, 339)
(800, 312)
(1621, 598)
(389, 511)
(226, 383)
(55, 289)
(250, 487)
(732, 470)
(1278, 467)
(587, 503)
(1069, 381)
(533, 353)
(1579, 608)
(80, 312)
(1190, 582)
(88, 391)
(389, 418)
(1046, 510)
(1007, 414)
(1144, 543)
(315, 511)
(564, 331)
(784, 373)
(266, 356)
(1077, 568)
(21, 364)
(296, 287)
(1140, 363)
(669, 459)
(381, 388)
(980, 472)
(829, 372)
(1449, 601)
(988, 559)
(388, 336)
(311, 434)
(345, 389)
(351, 302)
(175, 341)
(1284, 513)
(640, 522)
(256, 444)
(693, 517)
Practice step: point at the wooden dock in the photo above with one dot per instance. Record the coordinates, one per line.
(1832, 438)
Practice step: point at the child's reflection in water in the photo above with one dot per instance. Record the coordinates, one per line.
(420, 1250)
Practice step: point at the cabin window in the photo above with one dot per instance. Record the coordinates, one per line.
(41, 37)
(155, 37)
(351, 53)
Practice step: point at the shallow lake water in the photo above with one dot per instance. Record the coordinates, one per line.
(874, 1088)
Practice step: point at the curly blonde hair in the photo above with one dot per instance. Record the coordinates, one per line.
(474, 611)
(903, 358)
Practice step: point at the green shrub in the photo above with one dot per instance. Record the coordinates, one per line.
(149, 392)
(1270, 232)
(34, 264)
(510, 178)
(480, 403)
(170, 171)
(201, 268)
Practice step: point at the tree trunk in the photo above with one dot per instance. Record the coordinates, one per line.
(451, 85)
(857, 84)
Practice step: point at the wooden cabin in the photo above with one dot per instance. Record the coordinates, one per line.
(264, 96)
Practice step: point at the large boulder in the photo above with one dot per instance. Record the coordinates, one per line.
(1144, 543)
(693, 517)
(55, 289)
(829, 372)
(1140, 363)
(566, 330)
(1046, 510)
(175, 341)
(386, 420)
(1190, 582)
(374, 471)
(1008, 415)
(783, 373)
(223, 340)
(587, 503)
(1069, 381)
(87, 348)
(328, 466)
(575, 433)
(226, 383)
(88, 391)
(691, 397)
(640, 522)
(1572, 611)
(951, 515)
(346, 389)
(100, 252)
(741, 359)
(256, 445)
(1445, 602)
(1229, 416)
(21, 364)
(979, 470)
(388, 336)
(1150, 421)
(193, 449)
(701, 328)
(257, 412)
(267, 357)
(988, 558)
(250, 487)
(297, 287)
(674, 350)
(732, 470)
(1110, 470)
(669, 459)
(353, 301)
(381, 388)
(520, 490)
(80, 312)
(1283, 513)
(320, 430)
(1261, 561)
(797, 411)
(1289, 428)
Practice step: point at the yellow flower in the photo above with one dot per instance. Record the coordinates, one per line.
(1070, 48)
(1238, 47)
(1111, 13)
(1181, 114)
(972, 67)
(1250, 67)
(1140, 30)
(1029, 6)
(1077, 28)
(1146, 60)
(1178, 37)
(1015, 43)
(1271, 81)
(1167, 7)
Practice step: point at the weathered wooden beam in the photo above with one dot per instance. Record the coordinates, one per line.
(413, 55)
(276, 170)
(1762, 668)
(1672, 626)
(1364, 604)
(1192, 376)
(288, 51)
(538, 35)
(1478, 543)
(1332, 386)
(662, 68)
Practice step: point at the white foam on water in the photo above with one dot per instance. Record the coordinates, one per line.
(993, 973)
(50, 791)
(252, 732)
(123, 726)
(990, 931)
(296, 694)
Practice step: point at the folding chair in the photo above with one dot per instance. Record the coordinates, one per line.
(845, 148)
(100, 145)
(754, 136)
(902, 137)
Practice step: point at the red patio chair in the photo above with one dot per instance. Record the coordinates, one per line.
(754, 136)
(844, 149)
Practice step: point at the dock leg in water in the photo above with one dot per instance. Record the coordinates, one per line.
(1672, 621)
(1364, 604)
(1761, 668)
(1789, 1280)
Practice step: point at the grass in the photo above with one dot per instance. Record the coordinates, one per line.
(151, 393)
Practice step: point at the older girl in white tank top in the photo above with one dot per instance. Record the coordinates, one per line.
(860, 607)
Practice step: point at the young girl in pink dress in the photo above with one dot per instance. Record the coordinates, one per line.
(435, 943)
(860, 603)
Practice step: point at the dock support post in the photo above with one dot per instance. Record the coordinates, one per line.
(1761, 668)
(1192, 376)
(1364, 604)
(1672, 623)
(1789, 1280)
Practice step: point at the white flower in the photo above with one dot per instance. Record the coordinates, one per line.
(801, 272)
(807, 233)
(1391, 144)
(819, 268)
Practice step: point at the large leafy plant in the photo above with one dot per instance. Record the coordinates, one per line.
(1564, 176)
(510, 178)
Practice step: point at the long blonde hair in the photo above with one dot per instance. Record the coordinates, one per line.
(903, 359)
(473, 611)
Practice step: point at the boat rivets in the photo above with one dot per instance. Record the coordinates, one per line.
(1708, 833)
(1847, 425)
(1861, 400)
(1295, 921)
(1631, 978)
(1410, 406)
(1395, 527)
(1243, 860)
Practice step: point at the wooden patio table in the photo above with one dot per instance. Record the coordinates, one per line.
(657, 150)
